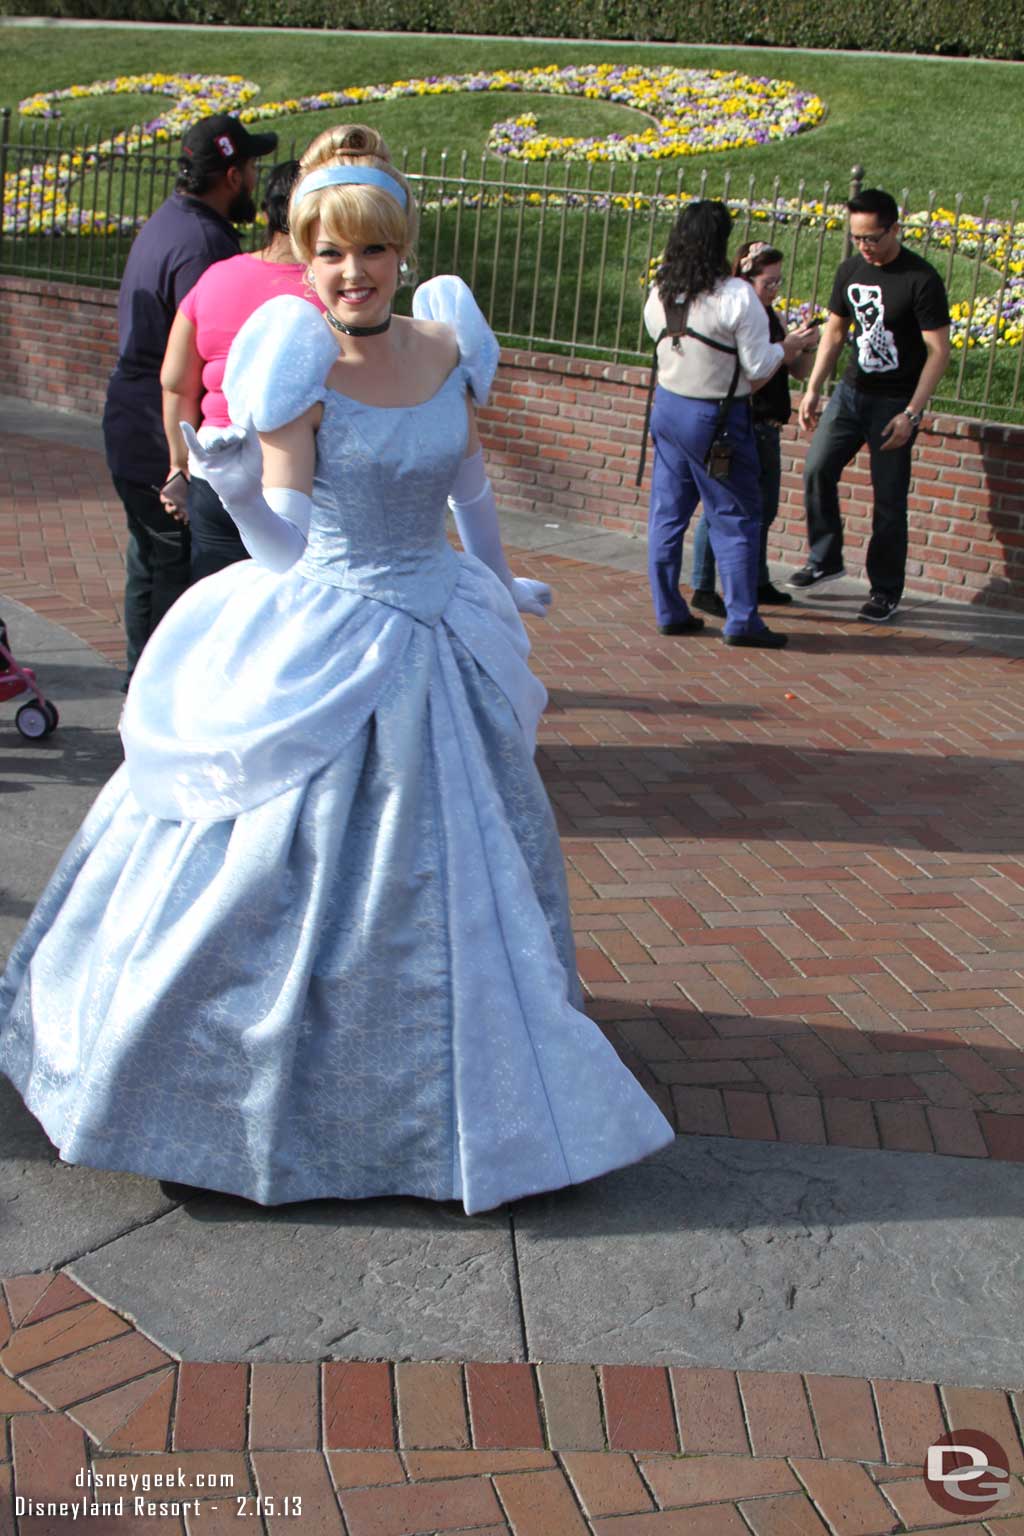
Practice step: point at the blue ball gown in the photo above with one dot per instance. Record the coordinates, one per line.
(313, 938)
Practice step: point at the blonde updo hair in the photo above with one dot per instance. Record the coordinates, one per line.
(352, 214)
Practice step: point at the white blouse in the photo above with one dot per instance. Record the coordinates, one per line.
(731, 314)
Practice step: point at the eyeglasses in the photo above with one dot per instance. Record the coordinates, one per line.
(870, 239)
(770, 282)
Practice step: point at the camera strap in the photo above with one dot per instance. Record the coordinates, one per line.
(725, 404)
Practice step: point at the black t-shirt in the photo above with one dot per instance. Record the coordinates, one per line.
(772, 401)
(890, 306)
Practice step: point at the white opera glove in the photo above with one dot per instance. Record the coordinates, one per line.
(231, 454)
(273, 523)
(476, 517)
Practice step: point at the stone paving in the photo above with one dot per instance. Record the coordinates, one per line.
(798, 887)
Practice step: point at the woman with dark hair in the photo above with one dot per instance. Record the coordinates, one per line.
(760, 265)
(207, 322)
(713, 342)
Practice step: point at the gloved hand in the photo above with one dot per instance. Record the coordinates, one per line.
(476, 518)
(273, 524)
(232, 462)
(531, 596)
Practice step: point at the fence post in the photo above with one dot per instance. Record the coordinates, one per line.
(5, 135)
(856, 186)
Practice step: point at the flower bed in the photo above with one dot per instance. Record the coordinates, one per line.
(694, 111)
(691, 112)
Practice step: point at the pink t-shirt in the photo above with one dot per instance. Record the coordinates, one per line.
(219, 305)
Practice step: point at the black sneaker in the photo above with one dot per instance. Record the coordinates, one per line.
(708, 601)
(687, 626)
(815, 576)
(878, 608)
(770, 596)
(760, 640)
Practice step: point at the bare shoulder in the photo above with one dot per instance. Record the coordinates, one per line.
(436, 339)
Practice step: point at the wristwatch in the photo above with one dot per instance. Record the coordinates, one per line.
(914, 417)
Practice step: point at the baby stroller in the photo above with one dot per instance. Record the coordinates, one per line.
(38, 717)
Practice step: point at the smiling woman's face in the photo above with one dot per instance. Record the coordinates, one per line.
(357, 282)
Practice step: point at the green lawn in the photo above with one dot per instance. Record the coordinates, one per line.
(564, 278)
(944, 125)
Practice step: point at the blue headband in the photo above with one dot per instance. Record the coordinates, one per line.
(354, 175)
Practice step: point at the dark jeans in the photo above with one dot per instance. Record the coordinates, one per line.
(853, 418)
(156, 565)
(215, 538)
(769, 455)
(682, 429)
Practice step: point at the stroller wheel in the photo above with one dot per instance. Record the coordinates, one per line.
(52, 715)
(33, 722)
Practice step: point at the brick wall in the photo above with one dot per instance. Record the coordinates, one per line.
(562, 438)
(58, 342)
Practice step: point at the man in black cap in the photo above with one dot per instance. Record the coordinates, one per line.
(188, 233)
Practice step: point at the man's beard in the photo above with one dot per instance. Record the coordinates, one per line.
(243, 209)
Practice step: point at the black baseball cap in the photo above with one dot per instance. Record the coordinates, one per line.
(217, 142)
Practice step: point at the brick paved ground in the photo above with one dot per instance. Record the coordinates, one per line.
(62, 539)
(799, 891)
(375, 1449)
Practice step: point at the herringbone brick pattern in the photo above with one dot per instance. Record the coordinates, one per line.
(374, 1449)
(797, 877)
(62, 535)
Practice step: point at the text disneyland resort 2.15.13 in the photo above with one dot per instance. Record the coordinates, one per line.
(134, 1501)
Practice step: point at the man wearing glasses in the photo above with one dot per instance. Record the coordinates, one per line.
(897, 305)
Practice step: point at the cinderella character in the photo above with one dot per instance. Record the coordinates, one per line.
(313, 938)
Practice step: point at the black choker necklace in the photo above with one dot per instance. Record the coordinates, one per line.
(356, 330)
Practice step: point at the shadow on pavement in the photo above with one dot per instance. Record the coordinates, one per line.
(927, 1186)
(72, 755)
(562, 700)
(723, 790)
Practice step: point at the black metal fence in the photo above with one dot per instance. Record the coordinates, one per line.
(558, 256)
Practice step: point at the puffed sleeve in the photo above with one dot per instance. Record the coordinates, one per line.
(278, 364)
(449, 299)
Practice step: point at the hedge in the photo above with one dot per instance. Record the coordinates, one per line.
(977, 28)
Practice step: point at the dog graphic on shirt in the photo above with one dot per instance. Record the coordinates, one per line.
(876, 347)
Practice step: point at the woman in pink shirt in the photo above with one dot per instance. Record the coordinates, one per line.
(208, 320)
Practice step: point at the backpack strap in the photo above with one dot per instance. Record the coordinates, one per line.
(709, 341)
(676, 326)
(725, 404)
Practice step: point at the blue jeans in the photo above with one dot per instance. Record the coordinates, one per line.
(851, 419)
(769, 454)
(682, 429)
(216, 542)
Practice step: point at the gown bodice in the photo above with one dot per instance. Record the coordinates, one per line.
(379, 498)
(295, 663)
